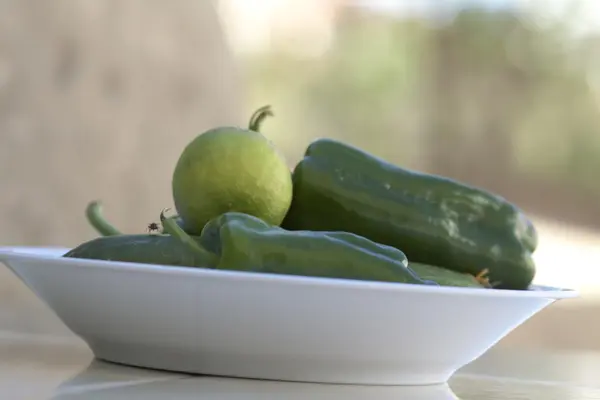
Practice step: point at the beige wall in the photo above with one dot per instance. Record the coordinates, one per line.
(97, 100)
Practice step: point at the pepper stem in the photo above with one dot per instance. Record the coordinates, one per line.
(93, 212)
(258, 117)
(483, 279)
(171, 227)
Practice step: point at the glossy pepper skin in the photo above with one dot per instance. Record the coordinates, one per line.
(434, 220)
(158, 249)
(246, 243)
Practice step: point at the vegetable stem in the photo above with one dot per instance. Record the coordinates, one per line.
(94, 215)
(171, 227)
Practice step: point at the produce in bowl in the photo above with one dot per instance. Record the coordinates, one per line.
(340, 203)
(347, 270)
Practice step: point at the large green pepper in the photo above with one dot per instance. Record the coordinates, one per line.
(246, 243)
(434, 220)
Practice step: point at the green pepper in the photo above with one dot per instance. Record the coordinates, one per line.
(246, 243)
(159, 249)
(433, 219)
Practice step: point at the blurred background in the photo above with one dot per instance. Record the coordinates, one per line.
(98, 98)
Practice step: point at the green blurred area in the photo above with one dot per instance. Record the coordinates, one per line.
(491, 98)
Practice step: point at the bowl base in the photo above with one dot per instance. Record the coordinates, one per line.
(252, 366)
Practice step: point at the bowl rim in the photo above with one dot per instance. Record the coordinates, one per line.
(40, 254)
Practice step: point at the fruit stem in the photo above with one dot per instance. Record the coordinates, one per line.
(171, 227)
(93, 212)
(258, 117)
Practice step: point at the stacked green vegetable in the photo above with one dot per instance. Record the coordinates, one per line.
(352, 216)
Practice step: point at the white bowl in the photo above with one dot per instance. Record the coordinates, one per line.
(273, 327)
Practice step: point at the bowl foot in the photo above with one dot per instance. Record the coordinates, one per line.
(264, 367)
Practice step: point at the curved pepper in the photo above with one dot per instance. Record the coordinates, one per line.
(246, 243)
(158, 249)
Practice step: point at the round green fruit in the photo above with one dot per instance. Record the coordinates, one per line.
(231, 169)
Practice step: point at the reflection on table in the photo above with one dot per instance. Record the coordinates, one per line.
(100, 381)
(67, 371)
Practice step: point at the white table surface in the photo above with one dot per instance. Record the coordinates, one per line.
(38, 368)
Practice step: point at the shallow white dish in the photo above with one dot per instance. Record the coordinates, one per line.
(273, 326)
